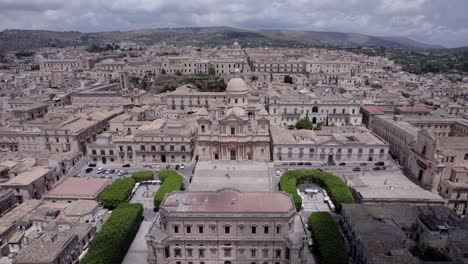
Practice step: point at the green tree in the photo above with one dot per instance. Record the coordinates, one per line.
(211, 71)
(178, 73)
(304, 123)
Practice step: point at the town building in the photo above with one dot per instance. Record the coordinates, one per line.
(227, 226)
(330, 146)
(402, 233)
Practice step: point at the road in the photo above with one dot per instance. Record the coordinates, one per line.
(138, 251)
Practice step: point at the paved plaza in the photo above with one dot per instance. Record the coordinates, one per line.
(247, 176)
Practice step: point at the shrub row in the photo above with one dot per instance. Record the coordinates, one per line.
(172, 181)
(288, 184)
(139, 176)
(328, 240)
(114, 239)
(116, 193)
(337, 189)
(162, 175)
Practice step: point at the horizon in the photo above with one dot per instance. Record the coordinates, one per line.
(429, 22)
(246, 29)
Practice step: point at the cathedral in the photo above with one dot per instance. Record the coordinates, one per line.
(235, 130)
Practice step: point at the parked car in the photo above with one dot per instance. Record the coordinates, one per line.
(157, 168)
(363, 164)
(357, 169)
(177, 167)
(88, 170)
(284, 164)
(300, 164)
(92, 165)
(112, 171)
(278, 173)
(126, 166)
(376, 168)
(168, 166)
(107, 171)
(379, 163)
(147, 165)
(342, 164)
(308, 163)
(365, 169)
(100, 170)
(292, 164)
(182, 166)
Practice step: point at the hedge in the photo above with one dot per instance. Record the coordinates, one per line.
(116, 193)
(162, 175)
(142, 176)
(173, 182)
(328, 240)
(116, 235)
(337, 189)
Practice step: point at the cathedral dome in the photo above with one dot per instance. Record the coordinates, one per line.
(237, 85)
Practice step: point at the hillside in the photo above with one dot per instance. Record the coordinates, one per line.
(201, 36)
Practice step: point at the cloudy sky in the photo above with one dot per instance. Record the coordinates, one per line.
(442, 22)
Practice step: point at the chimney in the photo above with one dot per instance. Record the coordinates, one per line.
(397, 118)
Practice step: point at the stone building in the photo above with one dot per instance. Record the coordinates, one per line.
(7, 201)
(237, 130)
(399, 233)
(329, 146)
(227, 226)
(286, 107)
(32, 184)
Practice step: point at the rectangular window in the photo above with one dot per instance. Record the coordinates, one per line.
(176, 229)
(254, 230)
(266, 230)
(167, 252)
(227, 229)
(188, 229)
(253, 253)
(278, 229)
(200, 229)
(233, 130)
(278, 253)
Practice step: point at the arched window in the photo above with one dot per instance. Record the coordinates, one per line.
(314, 109)
(203, 128)
(466, 156)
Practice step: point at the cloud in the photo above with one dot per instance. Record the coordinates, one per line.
(431, 21)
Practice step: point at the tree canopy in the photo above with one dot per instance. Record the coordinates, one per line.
(304, 123)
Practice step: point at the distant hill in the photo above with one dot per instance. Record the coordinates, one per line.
(200, 36)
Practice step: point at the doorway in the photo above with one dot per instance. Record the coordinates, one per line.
(104, 160)
(163, 158)
(233, 154)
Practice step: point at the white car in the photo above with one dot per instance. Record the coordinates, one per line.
(182, 166)
(100, 170)
(278, 173)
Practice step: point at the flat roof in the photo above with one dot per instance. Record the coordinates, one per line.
(391, 186)
(28, 177)
(16, 214)
(75, 187)
(228, 201)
